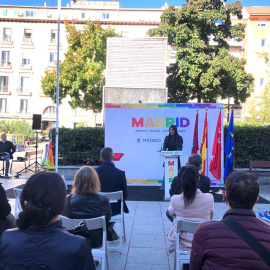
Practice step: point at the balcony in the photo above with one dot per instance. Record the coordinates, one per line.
(6, 41)
(4, 90)
(23, 91)
(25, 66)
(5, 64)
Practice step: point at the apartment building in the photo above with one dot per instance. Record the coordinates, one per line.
(257, 41)
(28, 46)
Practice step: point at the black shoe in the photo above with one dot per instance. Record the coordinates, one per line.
(96, 263)
(6, 176)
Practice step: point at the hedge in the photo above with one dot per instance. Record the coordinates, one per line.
(82, 145)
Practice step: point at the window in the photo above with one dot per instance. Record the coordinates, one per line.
(83, 15)
(29, 13)
(27, 36)
(7, 34)
(261, 81)
(3, 83)
(262, 23)
(105, 16)
(53, 57)
(26, 61)
(25, 82)
(5, 58)
(23, 105)
(53, 36)
(50, 110)
(263, 43)
(3, 105)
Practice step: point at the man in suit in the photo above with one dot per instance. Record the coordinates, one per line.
(8, 148)
(204, 186)
(112, 179)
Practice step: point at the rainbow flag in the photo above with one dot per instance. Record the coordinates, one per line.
(48, 161)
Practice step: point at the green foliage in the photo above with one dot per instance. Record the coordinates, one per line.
(204, 71)
(81, 72)
(79, 145)
(83, 145)
(251, 143)
(17, 127)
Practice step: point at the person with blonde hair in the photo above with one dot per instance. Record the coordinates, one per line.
(85, 202)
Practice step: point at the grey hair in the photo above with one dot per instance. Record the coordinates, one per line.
(195, 160)
(107, 154)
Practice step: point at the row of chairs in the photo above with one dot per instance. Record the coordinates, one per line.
(92, 224)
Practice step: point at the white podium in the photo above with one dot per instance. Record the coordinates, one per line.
(170, 169)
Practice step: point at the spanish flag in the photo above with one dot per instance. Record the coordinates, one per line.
(204, 146)
(48, 161)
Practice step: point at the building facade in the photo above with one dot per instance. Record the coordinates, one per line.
(28, 46)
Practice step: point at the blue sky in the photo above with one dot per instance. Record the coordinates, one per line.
(128, 3)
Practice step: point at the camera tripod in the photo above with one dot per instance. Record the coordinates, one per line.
(36, 164)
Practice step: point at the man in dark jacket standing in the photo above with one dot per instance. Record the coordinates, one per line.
(216, 246)
(112, 179)
(8, 148)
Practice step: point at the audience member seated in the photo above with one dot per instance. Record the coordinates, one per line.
(40, 242)
(8, 148)
(112, 179)
(5, 210)
(85, 202)
(204, 186)
(191, 205)
(217, 246)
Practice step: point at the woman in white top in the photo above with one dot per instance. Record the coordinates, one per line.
(191, 204)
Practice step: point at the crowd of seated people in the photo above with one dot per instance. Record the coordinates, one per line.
(215, 244)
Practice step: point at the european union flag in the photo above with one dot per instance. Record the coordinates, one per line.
(229, 149)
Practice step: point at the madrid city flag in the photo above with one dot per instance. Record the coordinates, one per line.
(204, 146)
(195, 144)
(48, 161)
(216, 151)
(229, 149)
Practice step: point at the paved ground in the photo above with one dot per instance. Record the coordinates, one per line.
(146, 228)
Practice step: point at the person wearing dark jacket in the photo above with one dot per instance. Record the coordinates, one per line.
(8, 148)
(40, 242)
(204, 185)
(5, 209)
(85, 203)
(216, 246)
(112, 179)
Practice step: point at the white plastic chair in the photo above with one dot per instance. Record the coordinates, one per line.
(92, 224)
(114, 197)
(18, 207)
(183, 257)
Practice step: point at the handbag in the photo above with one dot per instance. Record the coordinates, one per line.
(80, 229)
(7, 223)
(245, 235)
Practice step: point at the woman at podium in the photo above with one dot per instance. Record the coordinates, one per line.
(173, 141)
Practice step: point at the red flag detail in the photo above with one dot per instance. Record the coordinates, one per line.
(195, 147)
(216, 152)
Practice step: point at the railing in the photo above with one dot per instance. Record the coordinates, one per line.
(27, 40)
(7, 39)
(3, 88)
(5, 64)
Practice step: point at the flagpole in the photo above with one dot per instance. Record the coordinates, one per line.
(220, 190)
(57, 90)
(207, 143)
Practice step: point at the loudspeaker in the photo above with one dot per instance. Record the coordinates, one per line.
(36, 121)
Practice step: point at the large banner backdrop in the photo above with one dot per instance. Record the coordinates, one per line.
(138, 132)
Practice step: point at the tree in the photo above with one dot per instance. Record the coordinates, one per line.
(263, 114)
(204, 70)
(17, 127)
(81, 71)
